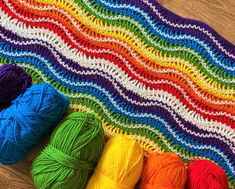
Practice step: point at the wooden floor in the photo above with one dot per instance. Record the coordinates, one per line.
(220, 14)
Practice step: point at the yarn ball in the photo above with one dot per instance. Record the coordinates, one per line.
(13, 82)
(204, 174)
(163, 171)
(27, 119)
(69, 159)
(120, 165)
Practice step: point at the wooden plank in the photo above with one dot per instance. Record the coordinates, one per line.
(220, 15)
(13, 179)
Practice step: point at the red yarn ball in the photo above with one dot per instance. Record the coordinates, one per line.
(204, 174)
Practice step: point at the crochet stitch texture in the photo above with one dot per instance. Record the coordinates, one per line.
(165, 80)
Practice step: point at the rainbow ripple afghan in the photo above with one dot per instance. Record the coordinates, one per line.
(166, 80)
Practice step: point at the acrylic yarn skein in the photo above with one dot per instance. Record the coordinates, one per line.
(74, 149)
(13, 82)
(27, 119)
(163, 171)
(204, 174)
(120, 165)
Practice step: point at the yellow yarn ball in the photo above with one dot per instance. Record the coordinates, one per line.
(120, 165)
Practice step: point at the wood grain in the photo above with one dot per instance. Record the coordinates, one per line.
(220, 14)
(11, 178)
(18, 176)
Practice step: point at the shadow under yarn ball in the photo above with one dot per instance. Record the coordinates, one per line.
(13, 82)
(71, 155)
(27, 119)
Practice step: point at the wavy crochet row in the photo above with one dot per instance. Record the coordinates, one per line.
(165, 80)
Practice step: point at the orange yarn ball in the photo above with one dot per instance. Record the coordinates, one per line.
(163, 171)
(204, 174)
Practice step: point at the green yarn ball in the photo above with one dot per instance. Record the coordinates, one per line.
(71, 155)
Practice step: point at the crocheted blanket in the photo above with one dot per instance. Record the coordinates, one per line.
(165, 80)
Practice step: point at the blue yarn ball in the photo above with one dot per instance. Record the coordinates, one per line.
(30, 116)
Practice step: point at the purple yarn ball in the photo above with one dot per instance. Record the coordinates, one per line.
(13, 82)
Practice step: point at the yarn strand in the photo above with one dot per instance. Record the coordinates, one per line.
(72, 153)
